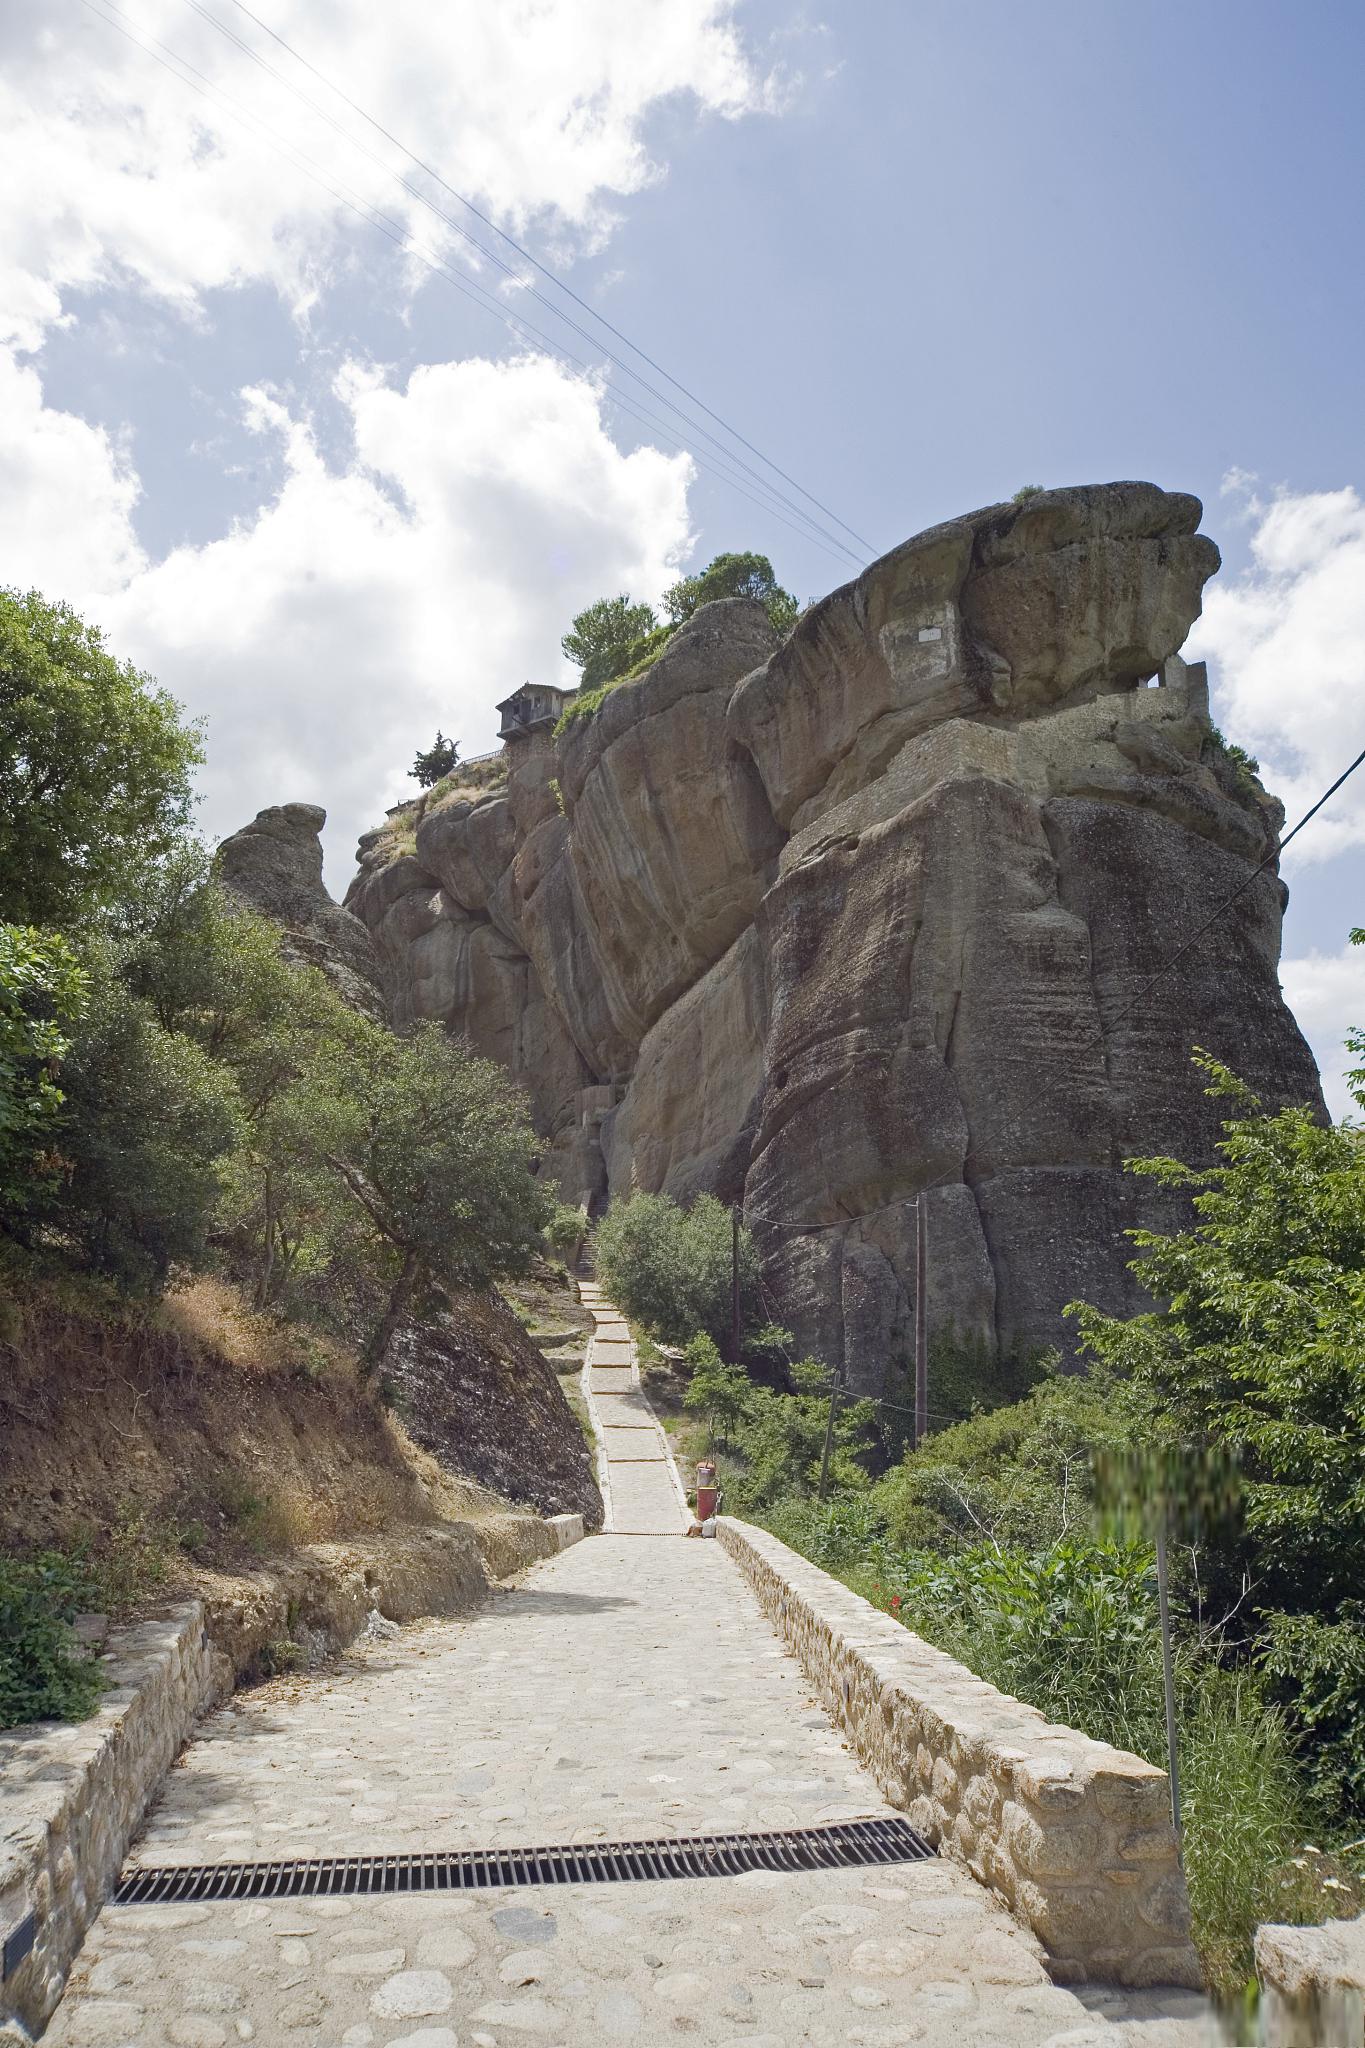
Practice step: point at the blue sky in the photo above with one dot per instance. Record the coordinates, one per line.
(919, 253)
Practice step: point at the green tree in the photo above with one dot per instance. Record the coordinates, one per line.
(42, 994)
(95, 767)
(670, 1268)
(438, 760)
(783, 1438)
(602, 636)
(1256, 1345)
(149, 1117)
(434, 1149)
(716, 1390)
(742, 575)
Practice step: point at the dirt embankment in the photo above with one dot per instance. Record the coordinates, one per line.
(219, 1435)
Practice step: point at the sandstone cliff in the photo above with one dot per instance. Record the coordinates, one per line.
(825, 925)
(467, 1381)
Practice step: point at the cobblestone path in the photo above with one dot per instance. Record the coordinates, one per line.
(626, 1688)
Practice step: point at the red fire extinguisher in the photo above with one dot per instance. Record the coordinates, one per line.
(708, 1493)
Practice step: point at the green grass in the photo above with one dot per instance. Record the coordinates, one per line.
(1253, 1836)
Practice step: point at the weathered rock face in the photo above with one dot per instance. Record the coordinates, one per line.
(473, 1390)
(275, 865)
(873, 914)
(468, 1382)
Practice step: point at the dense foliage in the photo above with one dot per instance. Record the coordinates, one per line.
(1258, 1344)
(42, 994)
(173, 1091)
(670, 1268)
(44, 1671)
(744, 575)
(95, 767)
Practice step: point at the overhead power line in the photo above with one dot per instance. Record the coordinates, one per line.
(189, 75)
(550, 275)
(1270, 861)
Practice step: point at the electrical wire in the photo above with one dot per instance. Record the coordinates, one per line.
(544, 271)
(508, 270)
(395, 232)
(1270, 860)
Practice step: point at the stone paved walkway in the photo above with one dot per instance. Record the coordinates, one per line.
(626, 1688)
(640, 1487)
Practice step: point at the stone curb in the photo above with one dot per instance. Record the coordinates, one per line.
(72, 1796)
(1074, 1836)
(567, 1529)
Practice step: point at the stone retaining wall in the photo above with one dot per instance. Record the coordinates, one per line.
(72, 1796)
(1076, 1837)
(1312, 1984)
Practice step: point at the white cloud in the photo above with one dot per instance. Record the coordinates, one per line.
(66, 496)
(1286, 641)
(116, 171)
(329, 635)
(1326, 992)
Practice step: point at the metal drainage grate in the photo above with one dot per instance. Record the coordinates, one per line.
(828, 1848)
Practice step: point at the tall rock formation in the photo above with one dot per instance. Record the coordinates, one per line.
(467, 1381)
(826, 926)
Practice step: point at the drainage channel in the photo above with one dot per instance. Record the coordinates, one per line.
(849, 1844)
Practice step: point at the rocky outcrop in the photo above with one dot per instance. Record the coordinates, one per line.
(872, 915)
(472, 1389)
(274, 864)
(470, 1385)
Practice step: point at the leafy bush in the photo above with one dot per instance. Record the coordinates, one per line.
(567, 1227)
(149, 1116)
(1257, 1348)
(782, 1440)
(670, 1268)
(720, 1392)
(1020, 1474)
(45, 1674)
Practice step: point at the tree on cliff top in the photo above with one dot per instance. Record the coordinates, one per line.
(439, 759)
(744, 575)
(601, 637)
(616, 636)
(95, 767)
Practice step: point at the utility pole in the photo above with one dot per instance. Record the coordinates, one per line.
(734, 1285)
(921, 1322)
(829, 1436)
(1168, 1676)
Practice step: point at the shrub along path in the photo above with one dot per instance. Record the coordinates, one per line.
(627, 1688)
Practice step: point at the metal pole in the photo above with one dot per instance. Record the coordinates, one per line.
(921, 1322)
(734, 1286)
(1168, 1674)
(829, 1437)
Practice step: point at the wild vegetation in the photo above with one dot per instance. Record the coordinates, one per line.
(177, 1097)
(616, 639)
(1020, 1539)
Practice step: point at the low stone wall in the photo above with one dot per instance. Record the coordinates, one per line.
(1312, 1984)
(1074, 1836)
(72, 1797)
